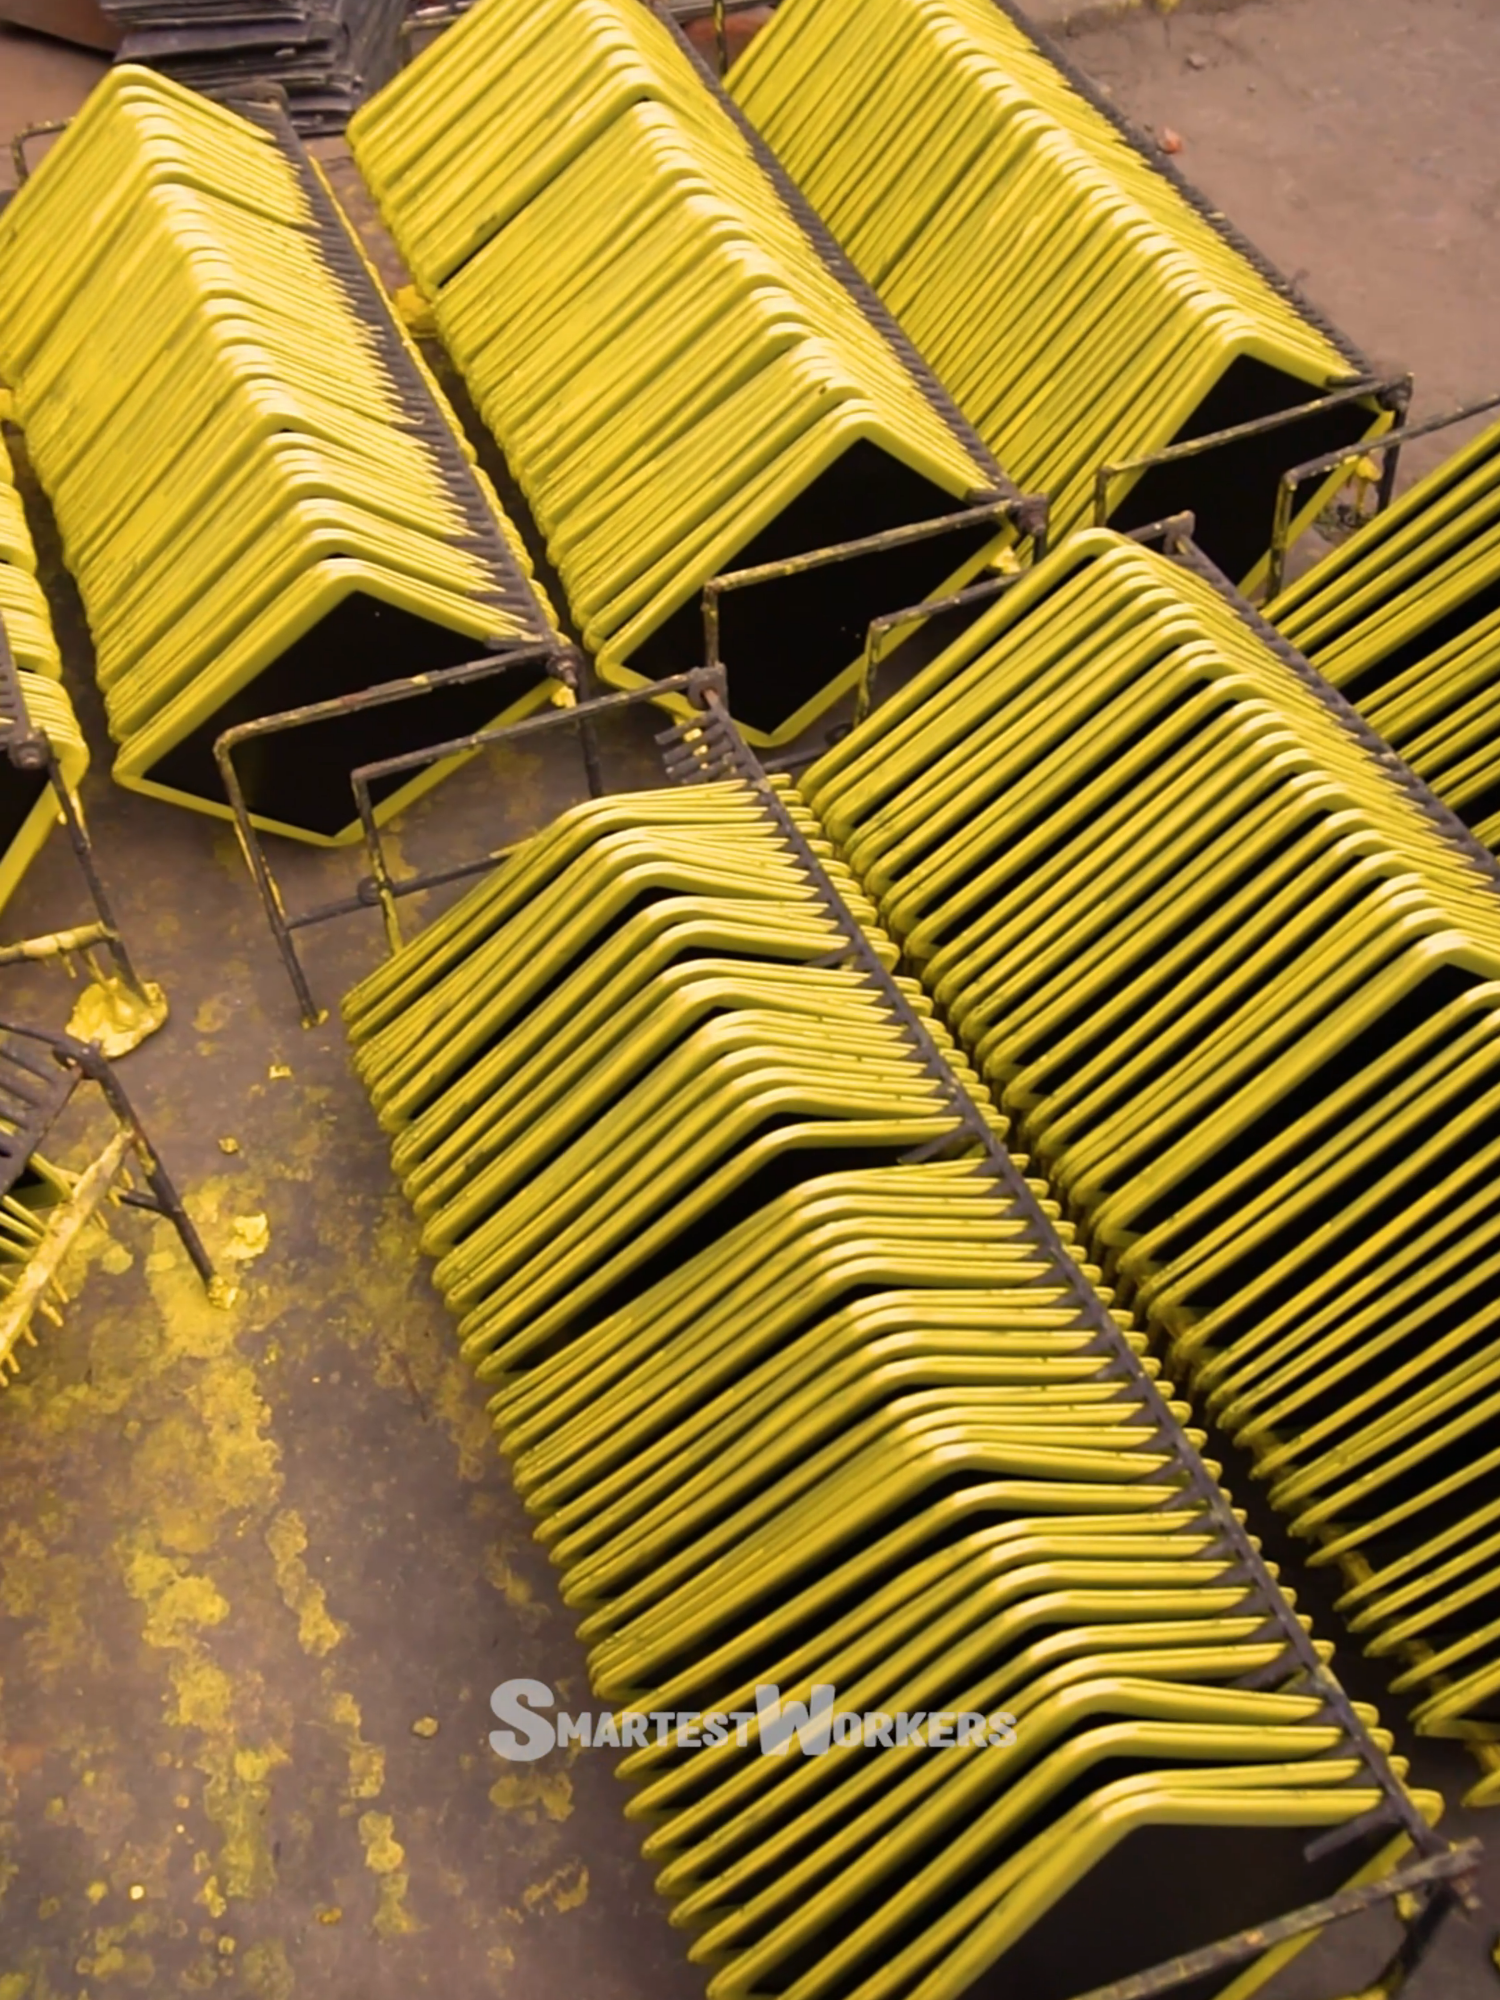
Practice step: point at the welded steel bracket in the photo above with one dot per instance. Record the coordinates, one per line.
(380, 888)
(1392, 393)
(1027, 512)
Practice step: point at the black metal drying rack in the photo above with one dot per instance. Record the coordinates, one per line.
(1387, 448)
(27, 749)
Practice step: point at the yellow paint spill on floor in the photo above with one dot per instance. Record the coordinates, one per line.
(385, 1857)
(534, 1795)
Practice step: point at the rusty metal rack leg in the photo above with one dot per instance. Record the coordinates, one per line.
(561, 661)
(29, 750)
(728, 753)
(1392, 392)
(1175, 527)
(1388, 448)
(380, 888)
(1028, 513)
(881, 628)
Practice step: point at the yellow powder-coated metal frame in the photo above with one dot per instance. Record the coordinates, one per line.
(1404, 618)
(860, 1434)
(233, 450)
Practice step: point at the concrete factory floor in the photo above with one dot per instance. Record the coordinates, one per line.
(249, 1558)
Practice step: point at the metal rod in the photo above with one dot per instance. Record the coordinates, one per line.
(1455, 1864)
(83, 851)
(1029, 513)
(48, 128)
(266, 884)
(1391, 392)
(157, 1178)
(57, 944)
(694, 684)
(580, 716)
(1390, 456)
(1172, 530)
(911, 614)
(1390, 447)
(1231, 1531)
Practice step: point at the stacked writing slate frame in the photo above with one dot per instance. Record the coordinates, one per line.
(262, 494)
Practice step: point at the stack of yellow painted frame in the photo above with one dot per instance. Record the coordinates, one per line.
(1074, 301)
(28, 808)
(1237, 975)
(796, 1410)
(680, 382)
(262, 497)
(1404, 618)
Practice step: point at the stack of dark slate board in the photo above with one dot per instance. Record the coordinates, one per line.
(328, 55)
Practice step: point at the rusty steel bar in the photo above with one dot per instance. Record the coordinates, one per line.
(566, 669)
(695, 684)
(1449, 1874)
(911, 614)
(1029, 513)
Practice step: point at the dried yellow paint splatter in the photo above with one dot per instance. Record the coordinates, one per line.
(567, 1889)
(317, 1632)
(533, 1794)
(49, 1588)
(385, 1857)
(366, 1760)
